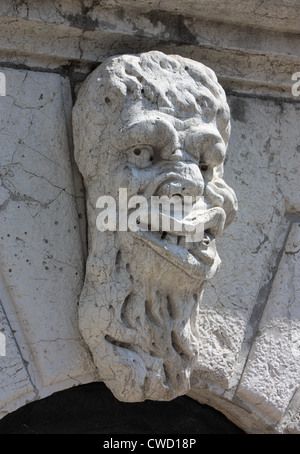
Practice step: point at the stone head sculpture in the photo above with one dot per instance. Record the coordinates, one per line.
(156, 125)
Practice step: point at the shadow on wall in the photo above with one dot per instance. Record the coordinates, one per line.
(92, 409)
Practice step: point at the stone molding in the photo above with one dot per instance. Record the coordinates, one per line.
(252, 48)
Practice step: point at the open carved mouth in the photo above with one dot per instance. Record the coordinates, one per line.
(193, 257)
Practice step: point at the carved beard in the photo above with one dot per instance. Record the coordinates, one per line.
(140, 324)
(139, 307)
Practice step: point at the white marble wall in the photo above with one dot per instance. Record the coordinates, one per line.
(250, 316)
(41, 261)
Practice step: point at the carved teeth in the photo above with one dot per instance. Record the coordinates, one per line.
(180, 239)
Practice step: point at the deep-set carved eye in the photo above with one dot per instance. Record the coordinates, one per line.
(141, 156)
(203, 167)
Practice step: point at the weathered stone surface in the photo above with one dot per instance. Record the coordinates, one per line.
(41, 255)
(16, 387)
(258, 167)
(272, 374)
(261, 168)
(166, 136)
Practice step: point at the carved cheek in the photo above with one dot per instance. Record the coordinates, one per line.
(195, 179)
(138, 180)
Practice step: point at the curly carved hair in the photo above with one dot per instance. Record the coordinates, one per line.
(170, 84)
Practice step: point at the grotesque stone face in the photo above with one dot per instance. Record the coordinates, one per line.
(156, 125)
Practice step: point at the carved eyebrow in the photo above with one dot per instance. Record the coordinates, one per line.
(205, 96)
(155, 131)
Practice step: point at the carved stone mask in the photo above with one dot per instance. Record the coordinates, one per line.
(155, 125)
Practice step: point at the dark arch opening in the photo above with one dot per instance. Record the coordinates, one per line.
(92, 409)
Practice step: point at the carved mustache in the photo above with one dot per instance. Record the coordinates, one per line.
(217, 194)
